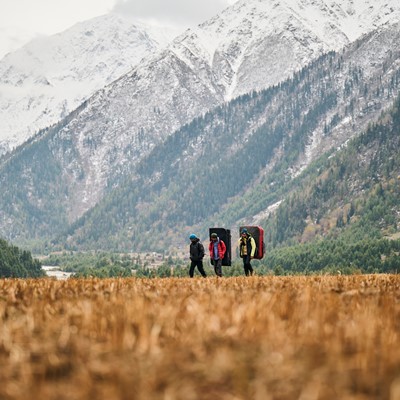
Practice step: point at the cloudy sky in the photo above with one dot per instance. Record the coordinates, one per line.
(22, 20)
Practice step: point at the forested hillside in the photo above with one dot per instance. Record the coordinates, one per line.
(245, 156)
(34, 205)
(345, 214)
(357, 189)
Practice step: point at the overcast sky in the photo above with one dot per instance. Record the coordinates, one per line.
(22, 20)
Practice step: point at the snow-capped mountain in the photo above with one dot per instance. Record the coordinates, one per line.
(252, 45)
(236, 162)
(249, 46)
(49, 77)
(257, 43)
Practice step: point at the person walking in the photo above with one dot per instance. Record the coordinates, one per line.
(247, 249)
(196, 251)
(217, 249)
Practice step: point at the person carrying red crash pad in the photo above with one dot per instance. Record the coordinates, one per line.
(247, 248)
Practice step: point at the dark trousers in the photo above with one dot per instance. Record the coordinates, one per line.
(217, 266)
(199, 265)
(248, 269)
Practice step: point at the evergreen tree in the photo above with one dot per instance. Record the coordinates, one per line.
(16, 263)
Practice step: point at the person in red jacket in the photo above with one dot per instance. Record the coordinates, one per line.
(217, 249)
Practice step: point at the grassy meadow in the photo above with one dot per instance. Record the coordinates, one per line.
(262, 338)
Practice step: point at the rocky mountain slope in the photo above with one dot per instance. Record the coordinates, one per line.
(233, 53)
(250, 45)
(48, 78)
(238, 162)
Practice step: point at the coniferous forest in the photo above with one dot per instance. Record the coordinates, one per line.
(17, 263)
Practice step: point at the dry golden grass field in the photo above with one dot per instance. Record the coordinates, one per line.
(291, 338)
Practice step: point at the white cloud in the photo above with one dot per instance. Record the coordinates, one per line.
(172, 12)
(12, 38)
(23, 20)
(49, 16)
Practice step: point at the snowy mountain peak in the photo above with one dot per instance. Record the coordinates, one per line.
(279, 37)
(251, 45)
(49, 77)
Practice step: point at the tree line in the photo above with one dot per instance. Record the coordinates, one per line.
(17, 263)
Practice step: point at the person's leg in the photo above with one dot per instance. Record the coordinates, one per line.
(191, 269)
(201, 268)
(245, 265)
(218, 267)
(250, 268)
(214, 264)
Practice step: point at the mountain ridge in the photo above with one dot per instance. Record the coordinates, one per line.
(50, 76)
(233, 45)
(168, 90)
(169, 192)
(103, 142)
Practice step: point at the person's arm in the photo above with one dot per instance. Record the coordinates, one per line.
(223, 248)
(253, 247)
(201, 251)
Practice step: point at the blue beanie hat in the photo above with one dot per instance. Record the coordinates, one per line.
(244, 230)
(192, 236)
